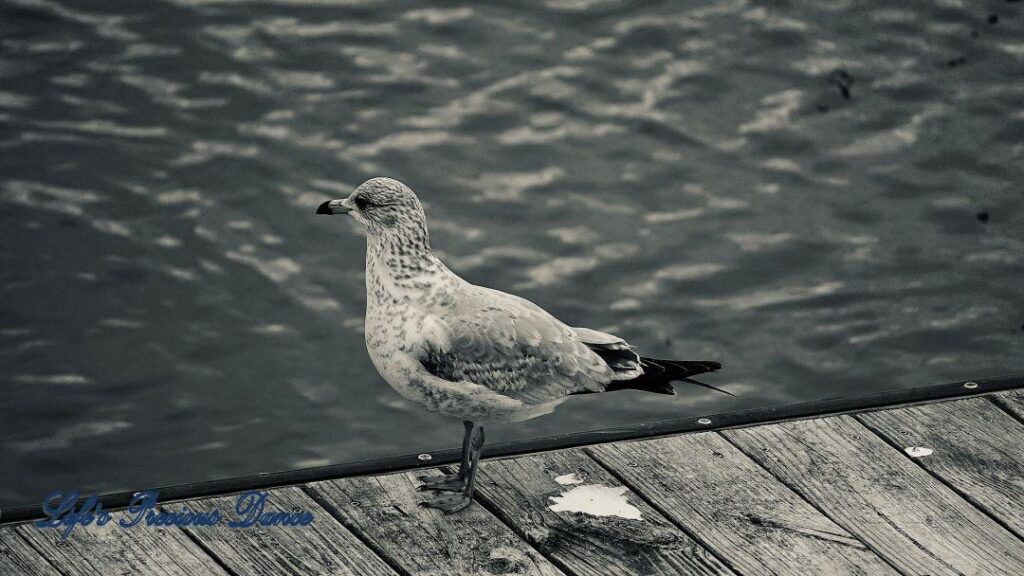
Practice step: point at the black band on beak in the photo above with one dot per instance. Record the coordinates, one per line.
(324, 208)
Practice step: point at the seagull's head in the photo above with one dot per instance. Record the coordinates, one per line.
(382, 205)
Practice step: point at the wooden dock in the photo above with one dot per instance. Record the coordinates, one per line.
(926, 483)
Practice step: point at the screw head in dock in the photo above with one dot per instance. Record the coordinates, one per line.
(970, 385)
(425, 457)
(704, 421)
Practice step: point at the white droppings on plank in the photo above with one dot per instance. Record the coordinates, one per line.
(569, 479)
(596, 500)
(917, 451)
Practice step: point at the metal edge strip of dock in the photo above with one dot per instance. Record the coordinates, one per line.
(737, 419)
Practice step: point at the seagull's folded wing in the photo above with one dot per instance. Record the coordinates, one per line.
(514, 347)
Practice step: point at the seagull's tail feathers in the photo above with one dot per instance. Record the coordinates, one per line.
(658, 376)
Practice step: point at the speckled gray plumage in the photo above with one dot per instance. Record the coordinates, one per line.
(460, 349)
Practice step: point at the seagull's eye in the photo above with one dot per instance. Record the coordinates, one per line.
(362, 202)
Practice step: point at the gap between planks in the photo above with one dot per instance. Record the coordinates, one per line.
(661, 510)
(1011, 402)
(922, 545)
(385, 511)
(993, 398)
(802, 496)
(789, 530)
(359, 535)
(989, 498)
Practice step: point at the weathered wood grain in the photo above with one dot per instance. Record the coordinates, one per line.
(323, 547)
(825, 496)
(976, 448)
(17, 557)
(735, 508)
(914, 521)
(385, 510)
(111, 549)
(520, 490)
(1012, 401)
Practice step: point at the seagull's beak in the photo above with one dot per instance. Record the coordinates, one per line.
(342, 206)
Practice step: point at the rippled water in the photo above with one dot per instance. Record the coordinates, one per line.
(690, 176)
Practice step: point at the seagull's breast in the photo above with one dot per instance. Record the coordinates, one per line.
(413, 311)
(403, 316)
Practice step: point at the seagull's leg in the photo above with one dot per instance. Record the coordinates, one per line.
(451, 482)
(464, 464)
(476, 445)
(450, 503)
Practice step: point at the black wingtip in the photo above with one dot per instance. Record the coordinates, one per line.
(324, 208)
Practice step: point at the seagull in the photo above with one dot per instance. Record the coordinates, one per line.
(474, 353)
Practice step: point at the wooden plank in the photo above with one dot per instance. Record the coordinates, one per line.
(974, 447)
(1012, 401)
(521, 492)
(735, 508)
(910, 518)
(385, 511)
(17, 557)
(322, 547)
(111, 549)
(751, 416)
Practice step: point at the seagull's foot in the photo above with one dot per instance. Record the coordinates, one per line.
(446, 483)
(449, 503)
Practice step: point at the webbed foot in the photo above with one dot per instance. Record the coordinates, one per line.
(446, 483)
(449, 503)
